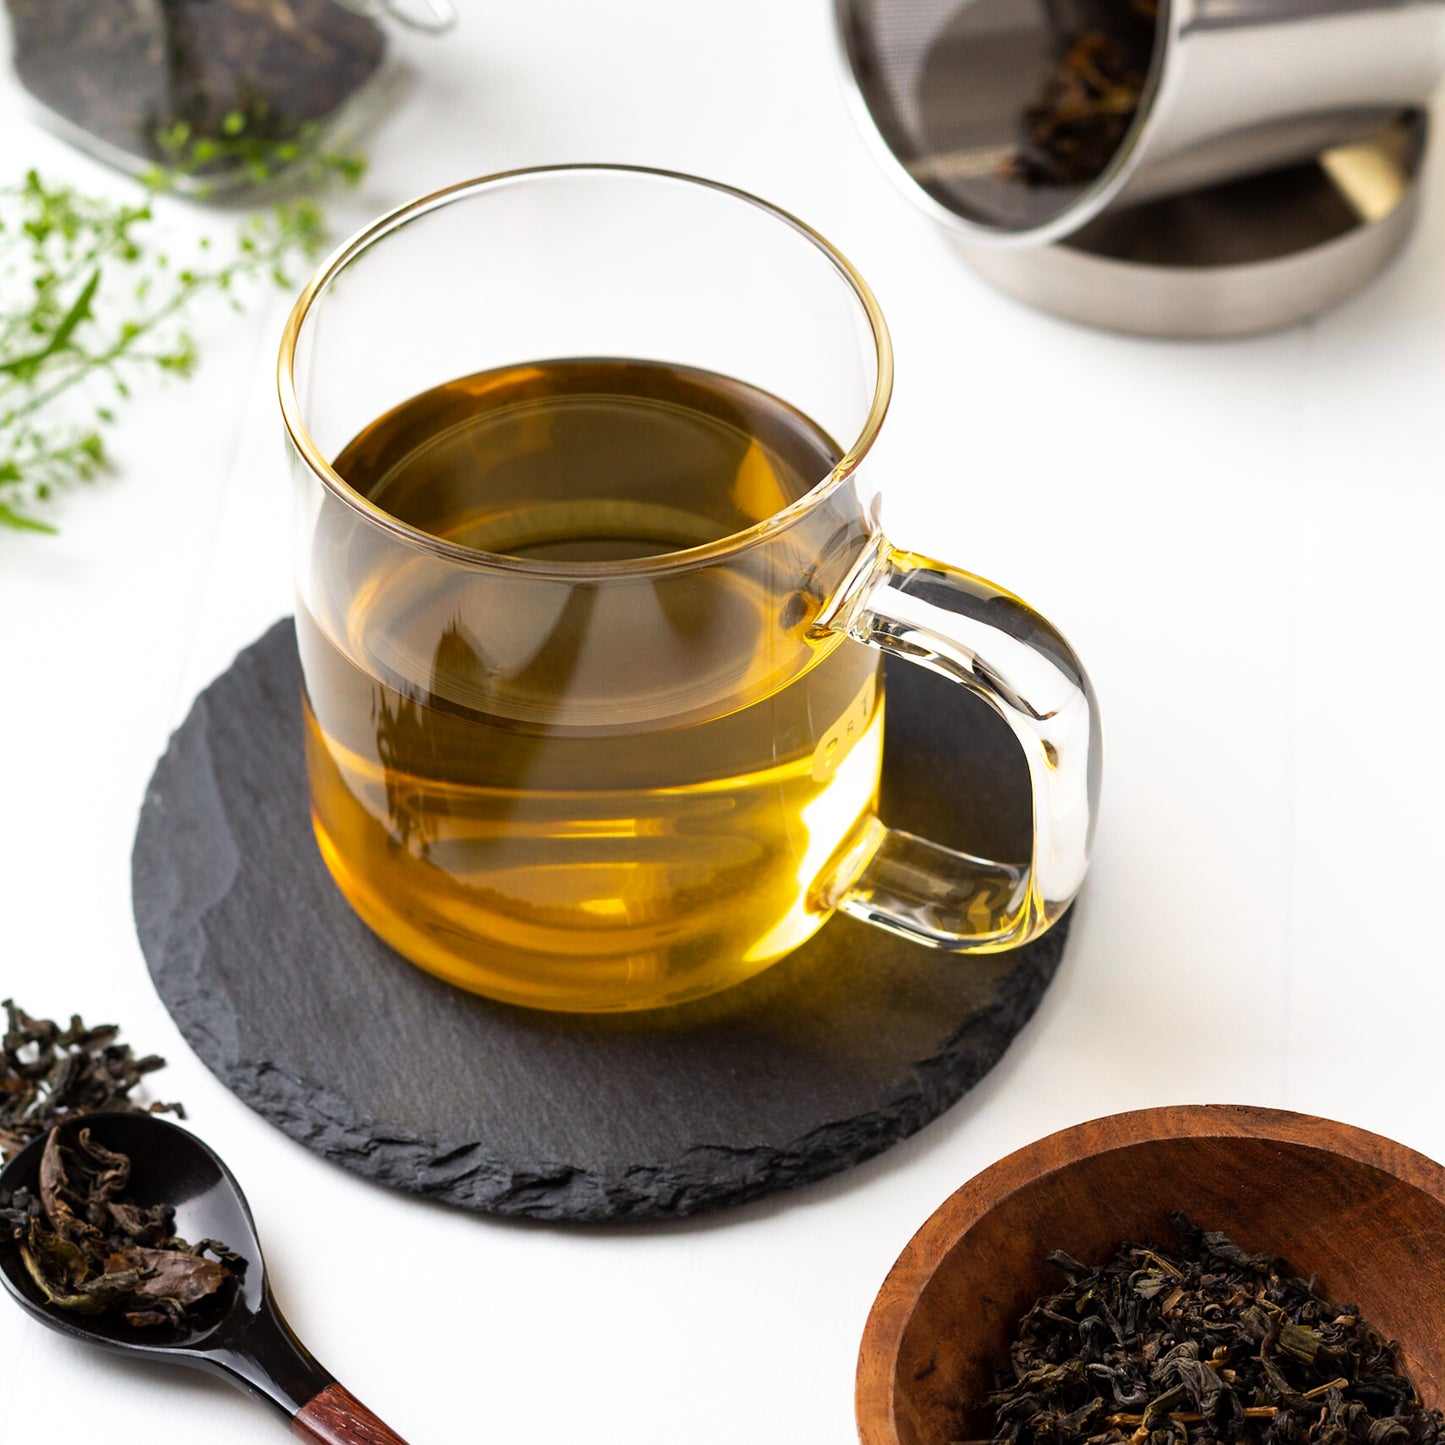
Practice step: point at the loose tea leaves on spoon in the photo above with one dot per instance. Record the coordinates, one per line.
(1210, 1345)
(90, 1250)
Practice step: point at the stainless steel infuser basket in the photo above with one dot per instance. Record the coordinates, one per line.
(1234, 89)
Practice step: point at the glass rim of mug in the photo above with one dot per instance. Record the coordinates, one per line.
(705, 554)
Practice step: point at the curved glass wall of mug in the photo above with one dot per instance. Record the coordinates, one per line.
(577, 454)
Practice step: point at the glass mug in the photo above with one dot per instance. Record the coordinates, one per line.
(591, 604)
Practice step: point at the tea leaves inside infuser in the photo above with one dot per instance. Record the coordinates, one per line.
(1091, 95)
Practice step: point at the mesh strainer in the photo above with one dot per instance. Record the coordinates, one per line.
(1235, 87)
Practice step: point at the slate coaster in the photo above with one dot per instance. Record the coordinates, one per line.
(852, 1043)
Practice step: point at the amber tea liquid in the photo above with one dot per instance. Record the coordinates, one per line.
(600, 790)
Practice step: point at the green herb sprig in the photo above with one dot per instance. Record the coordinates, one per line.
(91, 301)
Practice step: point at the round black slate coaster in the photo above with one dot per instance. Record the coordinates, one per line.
(849, 1045)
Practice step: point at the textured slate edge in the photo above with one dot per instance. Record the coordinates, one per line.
(471, 1177)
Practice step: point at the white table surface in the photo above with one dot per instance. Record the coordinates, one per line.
(1242, 540)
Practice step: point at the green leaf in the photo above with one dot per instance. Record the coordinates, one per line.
(80, 311)
(126, 322)
(19, 522)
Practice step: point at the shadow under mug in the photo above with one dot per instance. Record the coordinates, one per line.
(619, 784)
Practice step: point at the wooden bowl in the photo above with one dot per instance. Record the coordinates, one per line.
(1362, 1213)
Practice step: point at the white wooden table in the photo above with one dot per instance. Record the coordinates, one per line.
(1242, 540)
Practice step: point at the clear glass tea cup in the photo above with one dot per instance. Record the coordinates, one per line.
(591, 604)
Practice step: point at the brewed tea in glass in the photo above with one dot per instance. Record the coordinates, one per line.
(592, 600)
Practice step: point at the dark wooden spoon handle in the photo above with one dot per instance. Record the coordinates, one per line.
(337, 1417)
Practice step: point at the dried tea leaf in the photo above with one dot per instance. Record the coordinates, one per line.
(53, 1182)
(48, 1073)
(91, 1252)
(1301, 1343)
(1085, 108)
(54, 1262)
(113, 1169)
(149, 1226)
(174, 1274)
(1216, 1346)
(63, 1274)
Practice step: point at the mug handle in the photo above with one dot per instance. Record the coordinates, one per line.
(1004, 652)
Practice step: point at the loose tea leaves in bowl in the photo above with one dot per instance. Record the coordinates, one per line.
(1212, 1344)
(91, 1250)
(1089, 100)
